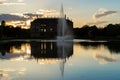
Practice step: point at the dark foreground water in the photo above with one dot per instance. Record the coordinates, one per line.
(63, 60)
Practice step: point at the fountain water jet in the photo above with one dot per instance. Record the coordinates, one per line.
(64, 32)
(63, 37)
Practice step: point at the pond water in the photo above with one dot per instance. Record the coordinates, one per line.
(64, 60)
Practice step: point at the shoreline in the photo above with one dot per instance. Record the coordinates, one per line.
(107, 39)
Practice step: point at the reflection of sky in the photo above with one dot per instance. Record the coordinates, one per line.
(6, 73)
(86, 64)
(24, 48)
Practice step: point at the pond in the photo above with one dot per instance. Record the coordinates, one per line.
(62, 60)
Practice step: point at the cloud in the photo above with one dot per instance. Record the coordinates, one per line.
(2, 0)
(18, 16)
(5, 73)
(4, 76)
(31, 15)
(19, 19)
(47, 12)
(19, 2)
(103, 59)
(97, 22)
(26, 16)
(12, 17)
(10, 3)
(103, 13)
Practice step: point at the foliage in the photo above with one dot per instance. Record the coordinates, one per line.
(11, 32)
(110, 31)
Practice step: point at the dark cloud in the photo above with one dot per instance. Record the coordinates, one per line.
(99, 15)
(103, 13)
(19, 17)
(105, 58)
(11, 17)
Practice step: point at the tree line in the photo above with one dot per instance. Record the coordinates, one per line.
(11, 32)
(111, 31)
(93, 32)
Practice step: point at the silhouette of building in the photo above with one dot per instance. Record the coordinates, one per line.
(46, 27)
(2, 27)
(3, 23)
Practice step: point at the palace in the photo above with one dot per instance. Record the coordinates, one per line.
(47, 28)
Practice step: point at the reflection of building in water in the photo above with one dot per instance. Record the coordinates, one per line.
(46, 27)
(52, 50)
(39, 50)
(44, 50)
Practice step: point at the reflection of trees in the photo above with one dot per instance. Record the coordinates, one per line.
(39, 49)
(6, 46)
(87, 45)
(113, 46)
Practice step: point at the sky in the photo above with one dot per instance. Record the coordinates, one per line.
(81, 12)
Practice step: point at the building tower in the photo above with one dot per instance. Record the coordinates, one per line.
(3, 23)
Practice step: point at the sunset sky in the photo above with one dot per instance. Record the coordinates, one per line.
(91, 12)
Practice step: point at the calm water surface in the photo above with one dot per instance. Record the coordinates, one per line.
(51, 60)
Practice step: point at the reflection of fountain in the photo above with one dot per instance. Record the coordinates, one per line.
(62, 65)
(64, 32)
(64, 49)
(52, 50)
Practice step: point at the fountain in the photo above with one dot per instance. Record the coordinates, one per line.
(64, 39)
(64, 32)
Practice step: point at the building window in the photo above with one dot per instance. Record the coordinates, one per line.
(43, 25)
(41, 30)
(44, 30)
(51, 29)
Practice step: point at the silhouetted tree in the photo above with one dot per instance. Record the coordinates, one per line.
(109, 31)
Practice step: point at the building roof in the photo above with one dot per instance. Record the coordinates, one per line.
(47, 19)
